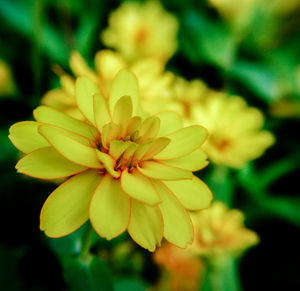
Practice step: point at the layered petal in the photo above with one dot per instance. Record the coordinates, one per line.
(156, 170)
(139, 187)
(194, 161)
(85, 89)
(122, 112)
(125, 84)
(70, 148)
(193, 194)
(156, 147)
(183, 142)
(169, 122)
(52, 116)
(25, 136)
(66, 209)
(146, 225)
(110, 208)
(102, 116)
(109, 163)
(47, 163)
(178, 228)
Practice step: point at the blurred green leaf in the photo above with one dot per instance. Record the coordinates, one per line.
(88, 274)
(208, 40)
(130, 284)
(258, 78)
(20, 15)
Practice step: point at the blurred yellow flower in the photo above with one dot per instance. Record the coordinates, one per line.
(220, 231)
(139, 30)
(184, 269)
(154, 83)
(128, 172)
(186, 97)
(7, 85)
(235, 134)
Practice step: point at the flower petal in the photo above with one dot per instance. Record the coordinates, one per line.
(108, 64)
(25, 136)
(110, 208)
(109, 163)
(102, 115)
(160, 171)
(194, 161)
(47, 163)
(125, 83)
(193, 194)
(149, 129)
(85, 89)
(145, 225)
(183, 142)
(52, 116)
(178, 228)
(70, 148)
(80, 68)
(169, 122)
(156, 147)
(118, 147)
(122, 112)
(139, 187)
(66, 209)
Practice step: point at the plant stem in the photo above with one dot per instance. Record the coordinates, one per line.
(86, 242)
(221, 185)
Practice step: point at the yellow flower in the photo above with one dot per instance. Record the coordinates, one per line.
(235, 135)
(186, 97)
(220, 232)
(183, 267)
(142, 30)
(128, 172)
(153, 81)
(7, 85)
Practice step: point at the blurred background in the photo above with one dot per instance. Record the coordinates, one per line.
(250, 49)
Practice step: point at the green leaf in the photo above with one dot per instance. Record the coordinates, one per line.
(130, 284)
(258, 78)
(208, 40)
(88, 274)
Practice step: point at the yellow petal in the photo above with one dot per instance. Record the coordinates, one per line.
(134, 125)
(110, 132)
(149, 129)
(110, 208)
(141, 150)
(125, 83)
(122, 112)
(109, 163)
(52, 116)
(68, 84)
(139, 187)
(156, 147)
(160, 171)
(169, 122)
(178, 228)
(66, 209)
(85, 89)
(145, 225)
(118, 147)
(102, 116)
(108, 64)
(183, 142)
(80, 68)
(25, 136)
(194, 161)
(70, 148)
(193, 194)
(47, 163)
